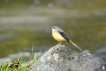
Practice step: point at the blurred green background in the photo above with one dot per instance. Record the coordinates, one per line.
(27, 22)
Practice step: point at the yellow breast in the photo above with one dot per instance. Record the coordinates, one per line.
(57, 36)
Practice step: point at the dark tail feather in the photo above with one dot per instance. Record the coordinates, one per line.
(75, 45)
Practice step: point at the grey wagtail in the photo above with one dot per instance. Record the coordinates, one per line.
(59, 35)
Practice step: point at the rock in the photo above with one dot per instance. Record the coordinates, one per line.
(62, 58)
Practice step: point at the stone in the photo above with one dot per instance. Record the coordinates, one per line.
(62, 58)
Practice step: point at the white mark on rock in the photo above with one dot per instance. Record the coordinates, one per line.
(48, 58)
(103, 67)
(89, 54)
(84, 55)
(55, 56)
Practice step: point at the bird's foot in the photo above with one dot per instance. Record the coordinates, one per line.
(59, 44)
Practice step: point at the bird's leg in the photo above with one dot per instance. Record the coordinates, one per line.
(59, 44)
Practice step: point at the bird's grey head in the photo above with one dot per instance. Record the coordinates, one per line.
(54, 27)
(57, 28)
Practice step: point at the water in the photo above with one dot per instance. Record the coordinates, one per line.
(22, 25)
(25, 55)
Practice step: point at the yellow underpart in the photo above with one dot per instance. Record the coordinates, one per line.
(57, 36)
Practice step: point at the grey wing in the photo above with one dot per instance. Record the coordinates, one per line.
(62, 33)
(65, 36)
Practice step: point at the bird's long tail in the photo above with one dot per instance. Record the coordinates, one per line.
(75, 45)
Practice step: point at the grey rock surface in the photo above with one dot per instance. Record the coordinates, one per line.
(62, 58)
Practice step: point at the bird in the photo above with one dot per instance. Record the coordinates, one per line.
(59, 35)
